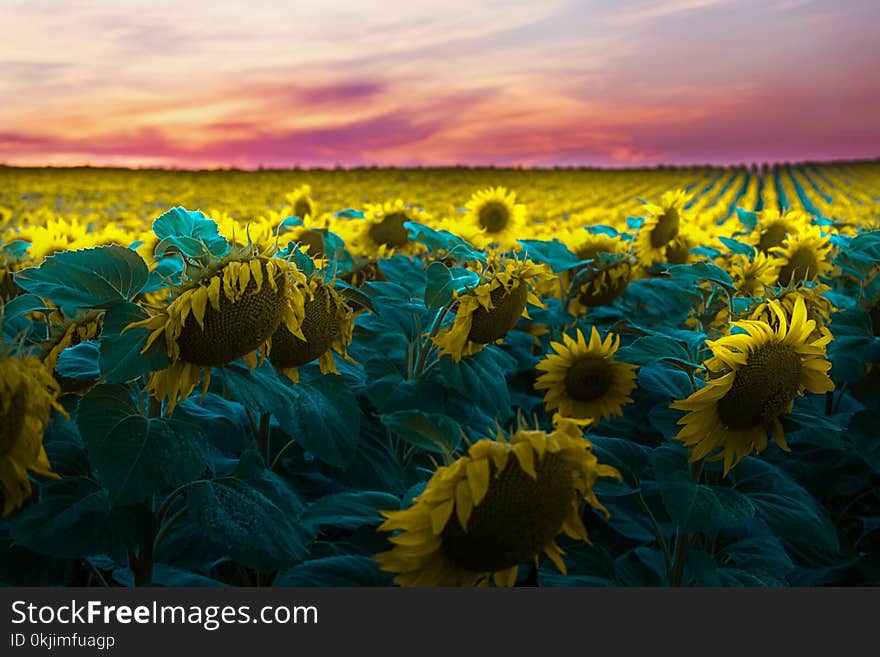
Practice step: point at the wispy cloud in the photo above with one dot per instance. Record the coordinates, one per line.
(162, 82)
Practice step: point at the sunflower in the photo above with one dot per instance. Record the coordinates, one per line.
(583, 380)
(678, 250)
(600, 282)
(310, 236)
(482, 516)
(382, 233)
(28, 393)
(661, 226)
(301, 202)
(327, 323)
(756, 375)
(493, 218)
(751, 275)
(231, 311)
(8, 287)
(488, 311)
(69, 333)
(803, 256)
(819, 307)
(773, 227)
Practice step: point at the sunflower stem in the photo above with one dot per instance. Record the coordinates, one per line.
(167, 526)
(96, 574)
(658, 534)
(683, 540)
(263, 437)
(419, 370)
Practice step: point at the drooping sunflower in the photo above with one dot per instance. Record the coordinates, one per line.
(755, 378)
(600, 282)
(28, 393)
(301, 202)
(382, 233)
(751, 275)
(230, 311)
(819, 307)
(69, 333)
(661, 226)
(773, 227)
(326, 326)
(488, 311)
(8, 287)
(803, 256)
(493, 218)
(499, 506)
(584, 380)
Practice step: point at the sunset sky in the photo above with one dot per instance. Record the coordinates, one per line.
(197, 83)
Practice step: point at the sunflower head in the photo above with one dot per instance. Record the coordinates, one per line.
(818, 306)
(774, 227)
(231, 311)
(382, 232)
(754, 378)
(583, 380)
(8, 287)
(326, 324)
(803, 256)
(493, 218)
(28, 393)
(752, 275)
(301, 203)
(661, 226)
(487, 312)
(500, 505)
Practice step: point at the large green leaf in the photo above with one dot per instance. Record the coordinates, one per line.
(350, 510)
(134, 456)
(433, 432)
(247, 524)
(120, 357)
(351, 570)
(441, 283)
(89, 278)
(696, 507)
(74, 518)
(787, 508)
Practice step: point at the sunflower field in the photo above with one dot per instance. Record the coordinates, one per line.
(440, 377)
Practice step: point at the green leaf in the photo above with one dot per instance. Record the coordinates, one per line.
(191, 233)
(79, 362)
(350, 570)
(701, 271)
(433, 432)
(747, 218)
(73, 518)
(324, 417)
(738, 247)
(553, 253)
(441, 283)
(443, 241)
(629, 457)
(696, 507)
(246, 524)
(120, 357)
(89, 278)
(651, 348)
(350, 510)
(321, 415)
(787, 508)
(665, 381)
(134, 456)
(863, 434)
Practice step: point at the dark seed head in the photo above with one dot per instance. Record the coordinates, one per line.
(516, 520)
